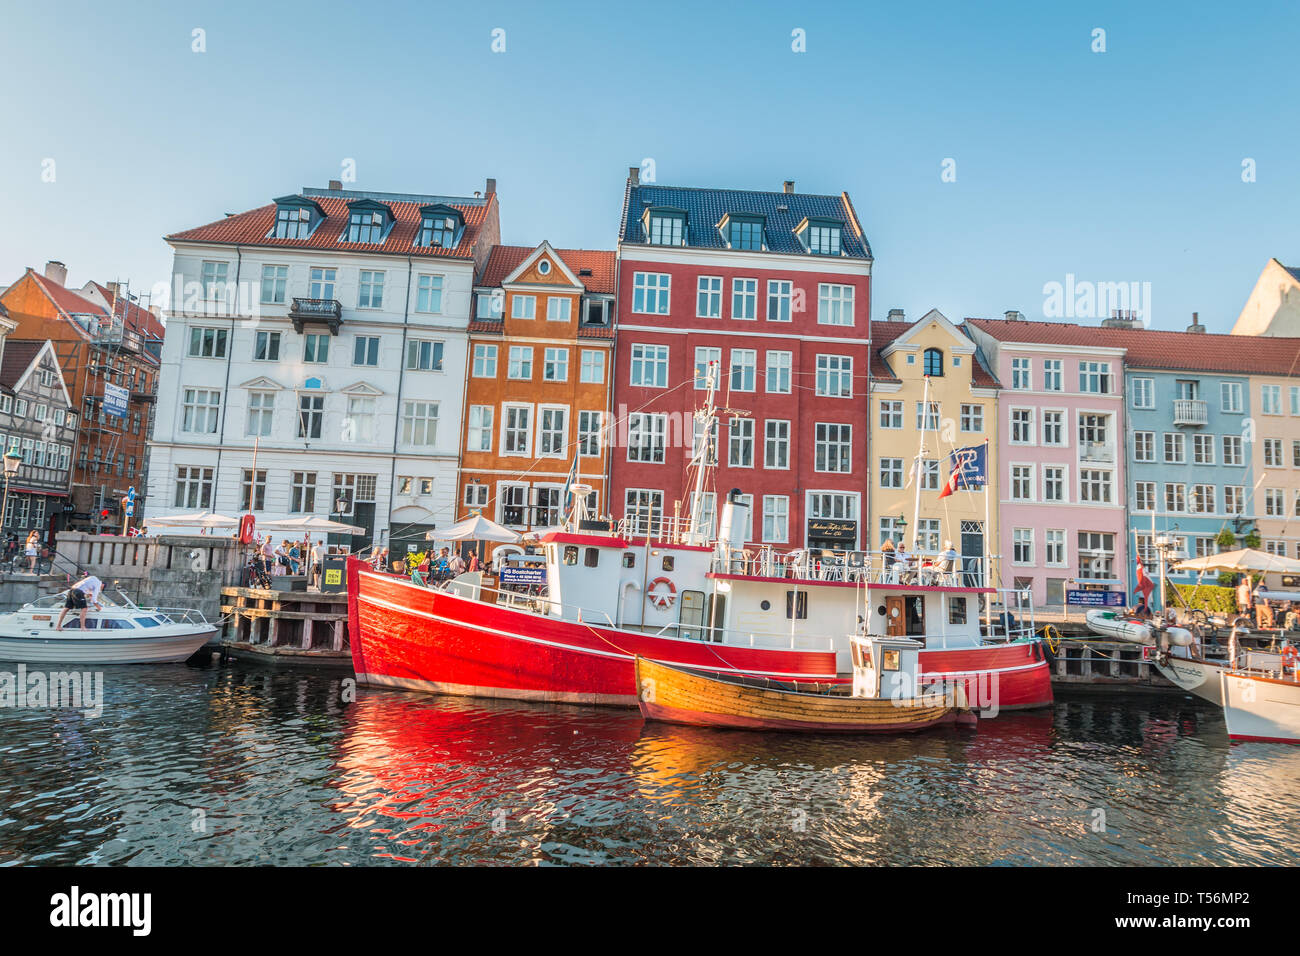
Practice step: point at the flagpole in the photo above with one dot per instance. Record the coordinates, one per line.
(918, 464)
(988, 554)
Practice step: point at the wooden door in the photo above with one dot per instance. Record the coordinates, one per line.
(895, 617)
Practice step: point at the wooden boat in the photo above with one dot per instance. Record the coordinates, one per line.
(683, 696)
(1261, 707)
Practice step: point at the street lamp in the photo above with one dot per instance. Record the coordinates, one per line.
(13, 461)
(901, 524)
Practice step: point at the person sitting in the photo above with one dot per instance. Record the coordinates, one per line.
(902, 565)
(947, 567)
(80, 596)
(1264, 614)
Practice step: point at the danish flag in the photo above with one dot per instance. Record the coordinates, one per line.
(953, 483)
(1144, 583)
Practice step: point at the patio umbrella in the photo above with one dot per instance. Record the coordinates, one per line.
(310, 523)
(199, 519)
(1242, 560)
(473, 528)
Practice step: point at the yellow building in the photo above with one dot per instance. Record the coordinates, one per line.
(927, 377)
(1275, 407)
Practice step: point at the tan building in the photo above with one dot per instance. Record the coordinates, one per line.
(1274, 304)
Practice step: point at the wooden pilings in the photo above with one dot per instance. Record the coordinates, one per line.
(306, 626)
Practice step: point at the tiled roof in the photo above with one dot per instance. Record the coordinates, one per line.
(1157, 349)
(1295, 273)
(134, 317)
(254, 227)
(17, 358)
(883, 334)
(505, 259)
(497, 327)
(706, 207)
(67, 301)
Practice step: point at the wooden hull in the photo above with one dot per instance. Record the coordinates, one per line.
(681, 697)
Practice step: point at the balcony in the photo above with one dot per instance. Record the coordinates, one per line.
(1191, 411)
(316, 312)
(1096, 451)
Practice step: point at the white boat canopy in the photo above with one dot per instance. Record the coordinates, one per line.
(1244, 559)
(308, 524)
(473, 528)
(195, 519)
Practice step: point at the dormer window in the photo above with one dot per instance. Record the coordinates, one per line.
(933, 362)
(665, 227)
(368, 222)
(295, 218)
(439, 226)
(821, 237)
(743, 231)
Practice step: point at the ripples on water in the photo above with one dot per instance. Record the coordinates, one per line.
(240, 764)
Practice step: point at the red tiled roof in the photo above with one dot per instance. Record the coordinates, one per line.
(1158, 349)
(66, 300)
(884, 333)
(134, 317)
(505, 259)
(253, 227)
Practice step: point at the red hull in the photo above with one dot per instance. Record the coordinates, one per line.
(406, 636)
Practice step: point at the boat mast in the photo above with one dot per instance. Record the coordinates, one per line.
(918, 465)
(700, 459)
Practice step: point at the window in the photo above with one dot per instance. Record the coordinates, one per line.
(555, 365)
(489, 304)
(1274, 502)
(1096, 555)
(590, 427)
(424, 355)
(1232, 453)
(261, 409)
(744, 298)
(1144, 496)
(1270, 399)
(274, 280)
(1022, 482)
(1053, 483)
(1295, 454)
(215, 277)
(1144, 446)
(708, 303)
(1202, 500)
(927, 416)
(650, 292)
(523, 306)
(649, 366)
(932, 362)
(1094, 377)
(1022, 426)
(366, 227)
(302, 492)
(972, 418)
(365, 350)
(1021, 377)
(666, 230)
(359, 422)
(1295, 399)
(776, 519)
(479, 433)
(516, 430)
(321, 283)
(437, 230)
(553, 432)
(420, 423)
(834, 304)
(521, 362)
(1092, 433)
(1175, 497)
(311, 414)
(740, 444)
(292, 222)
(891, 473)
(646, 437)
(193, 487)
(1203, 449)
(1022, 546)
(1144, 393)
(476, 495)
(778, 372)
(1175, 448)
(1094, 486)
(267, 347)
(207, 343)
(428, 294)
(1053, 377)
(200, 410)
(1234, 499)
(929, 474)
(1054, 539)
(835, 376)
(745, 234)
(742, 369)
(646, 509)
(558, 309)
(592, 369)
(824, 240)
(1273, 452)
(316, 348)
(779, 293)
(891, 414)
(833, 447)
(370, 294)
(252, 490)
(485, 361)
(1230, 397)
(1054, 428)
(776, 443)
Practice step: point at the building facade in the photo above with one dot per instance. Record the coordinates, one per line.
(314, 359)
(1275, 451)
(38, 422)
(931, 395)
(103, 341)
(538, 383)
(1061, 452)
(773, 290)
(1273, 307)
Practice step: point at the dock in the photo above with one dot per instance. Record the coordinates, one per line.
(306, 627)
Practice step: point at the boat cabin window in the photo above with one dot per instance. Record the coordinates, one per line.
(146, 622)
(116, 623)
(592, 557)
(890, 659)
(668, 562)
(629, 559)
(75, 624)
(571, 554)
(796, 605)
(956, 610)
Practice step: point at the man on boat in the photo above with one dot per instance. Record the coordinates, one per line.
(1244, 596)
(80, 596)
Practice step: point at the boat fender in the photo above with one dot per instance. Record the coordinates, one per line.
(1045, 652)
(1180, 637)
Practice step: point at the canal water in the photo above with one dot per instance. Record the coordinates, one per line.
(240, 764)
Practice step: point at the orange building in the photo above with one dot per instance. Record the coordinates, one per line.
(537, 386)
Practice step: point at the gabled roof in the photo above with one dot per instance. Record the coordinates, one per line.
(254, 227)
(1158, 349)
(135, 317)
(65, 300)
(22, 356)
(884, 334)
(506, 259)
(705, 208)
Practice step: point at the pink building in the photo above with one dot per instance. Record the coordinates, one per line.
(1060, 459)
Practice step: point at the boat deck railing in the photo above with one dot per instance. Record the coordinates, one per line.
(926, 569)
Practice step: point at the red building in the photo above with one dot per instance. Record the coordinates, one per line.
(775, 287)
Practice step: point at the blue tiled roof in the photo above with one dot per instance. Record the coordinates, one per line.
(706, 207)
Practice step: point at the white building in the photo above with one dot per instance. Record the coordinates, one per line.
(325, 335)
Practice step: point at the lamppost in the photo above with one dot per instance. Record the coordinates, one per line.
(13, 461)
(901, 524)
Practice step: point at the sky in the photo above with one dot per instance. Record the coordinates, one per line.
(989, 149)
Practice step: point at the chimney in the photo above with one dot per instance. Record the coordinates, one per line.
(336, 185)
(56, 271)
(1196, 326)
(491, 187)
(789, 186)
(895, 315)
(634, 175)
(1014, 316)
(1122, 319)
(112, 287)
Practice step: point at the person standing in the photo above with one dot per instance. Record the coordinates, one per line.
(33, 545)
(317, 563)
(80, 596)
(1245, 600)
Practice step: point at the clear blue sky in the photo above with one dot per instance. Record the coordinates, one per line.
(1115, 166)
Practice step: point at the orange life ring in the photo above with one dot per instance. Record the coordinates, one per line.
(1289, 655)
(660, 599)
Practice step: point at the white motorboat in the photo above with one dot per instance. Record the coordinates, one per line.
(1261, 707)
(1188, 667)
(120, 632)
(1135, 631)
